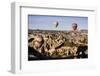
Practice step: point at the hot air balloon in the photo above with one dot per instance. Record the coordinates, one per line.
(56, 23)
(74, 26)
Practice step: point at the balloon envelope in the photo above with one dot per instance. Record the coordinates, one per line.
(56, 23)
(74, 26)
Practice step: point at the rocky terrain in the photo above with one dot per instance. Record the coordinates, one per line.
(58, 44)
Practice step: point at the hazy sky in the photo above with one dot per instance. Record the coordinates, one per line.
(65, 22)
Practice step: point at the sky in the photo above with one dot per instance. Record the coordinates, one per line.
(44, 22)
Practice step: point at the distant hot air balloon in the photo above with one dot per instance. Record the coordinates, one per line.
(56, 23)
(74, 26)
